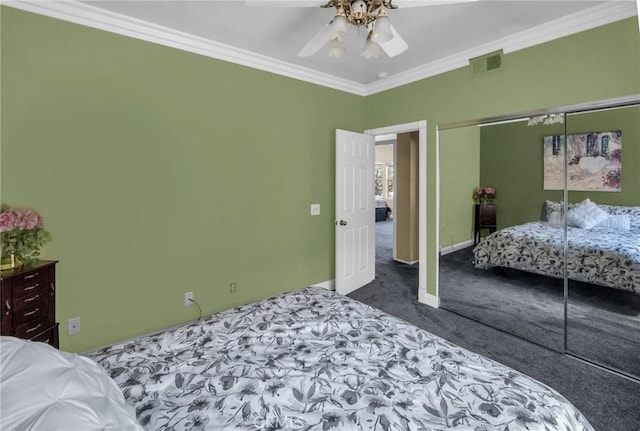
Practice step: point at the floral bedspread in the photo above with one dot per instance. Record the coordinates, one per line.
(599, 256)
(315, 360)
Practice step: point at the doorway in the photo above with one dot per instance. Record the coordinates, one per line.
(384, 192)
(419, 188)
(360, 248)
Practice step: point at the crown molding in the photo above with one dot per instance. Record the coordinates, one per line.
(589, 18)
(91, 16)
(94, 17)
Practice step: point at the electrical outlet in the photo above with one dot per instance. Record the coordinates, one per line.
(73, 326)
(315, 209)
(188, 297)
(232, 287)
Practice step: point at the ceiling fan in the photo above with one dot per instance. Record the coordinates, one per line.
(368, 14)
(371, 15)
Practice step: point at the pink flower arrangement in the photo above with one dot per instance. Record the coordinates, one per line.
(22, 220)
(483, 195)
(22, 232)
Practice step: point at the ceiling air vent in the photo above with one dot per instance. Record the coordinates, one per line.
(486, 63)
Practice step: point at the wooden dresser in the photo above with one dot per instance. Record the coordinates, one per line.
(29, 302)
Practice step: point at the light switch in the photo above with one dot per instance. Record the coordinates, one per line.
(315, 209)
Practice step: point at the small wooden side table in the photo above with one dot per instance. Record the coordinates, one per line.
(485, 218)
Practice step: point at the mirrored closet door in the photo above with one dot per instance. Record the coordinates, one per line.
(514, 253)
(498, 278)
(603, 237)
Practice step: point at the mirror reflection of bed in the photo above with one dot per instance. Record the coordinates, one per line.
(610, 315)
(514, 278)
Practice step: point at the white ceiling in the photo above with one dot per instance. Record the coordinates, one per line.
(436, 34)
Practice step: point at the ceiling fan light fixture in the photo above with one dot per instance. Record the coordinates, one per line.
(372, 16)
(546, 119)
(371, 49)
(337, 49)
(339, 27)
(382, 30)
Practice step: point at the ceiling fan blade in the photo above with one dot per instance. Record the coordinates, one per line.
(316, 3)
(403, 4)
(284, 3)
(395, 46)
(315, 43)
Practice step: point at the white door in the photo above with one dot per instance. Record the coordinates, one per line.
(355, 212)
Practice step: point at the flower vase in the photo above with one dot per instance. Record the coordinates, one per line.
(11, 261)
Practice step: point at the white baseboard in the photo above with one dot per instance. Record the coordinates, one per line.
(423, 297)
(329, 285)
(429, 299)
(456, 247)
(405, 261)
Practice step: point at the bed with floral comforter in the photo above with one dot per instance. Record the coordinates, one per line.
(604, 257)
(315, 360)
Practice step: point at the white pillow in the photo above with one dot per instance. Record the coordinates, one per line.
(46, 389)
(556, 219)
(586, 215)
(617, 222)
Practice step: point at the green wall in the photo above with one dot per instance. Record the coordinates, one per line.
(555, 73)
(459, 176)
(159, 172)
(512, 160)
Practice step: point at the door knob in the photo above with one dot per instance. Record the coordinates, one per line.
(342, 223)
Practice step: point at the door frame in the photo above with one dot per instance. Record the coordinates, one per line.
(421, 128)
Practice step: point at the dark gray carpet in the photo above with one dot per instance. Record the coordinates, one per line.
(608, 401)
(603, 324)
(535, 313)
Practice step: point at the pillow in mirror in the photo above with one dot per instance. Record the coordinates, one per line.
(586, 215)
(616, 222)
